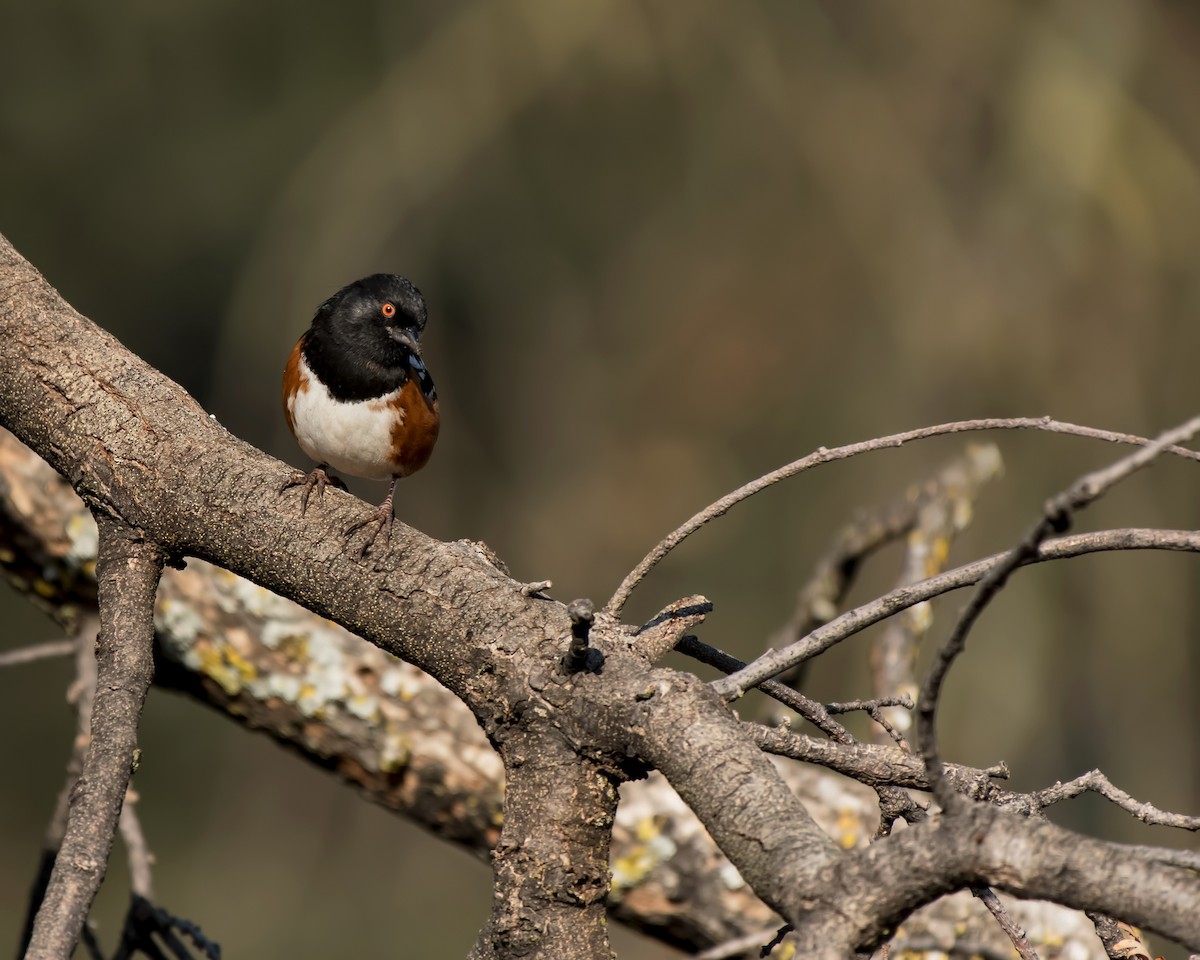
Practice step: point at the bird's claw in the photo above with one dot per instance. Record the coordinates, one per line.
(381, 519)
(320, 478)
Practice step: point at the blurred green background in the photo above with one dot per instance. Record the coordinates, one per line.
(666, 246)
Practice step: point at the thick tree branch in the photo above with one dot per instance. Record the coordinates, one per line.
(674, 722)
(127, 572)
(130, 442)
(551, 862)
(867, 895)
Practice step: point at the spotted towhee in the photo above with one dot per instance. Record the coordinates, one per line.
(356, 394)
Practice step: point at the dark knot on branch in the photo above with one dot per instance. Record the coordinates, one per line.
(579, 655)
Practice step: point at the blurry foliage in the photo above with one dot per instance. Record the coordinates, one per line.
(666, 246)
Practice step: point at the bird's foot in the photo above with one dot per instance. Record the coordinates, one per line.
(380, 521)
(319, 479)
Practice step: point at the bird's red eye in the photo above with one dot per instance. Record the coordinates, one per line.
(388, 310)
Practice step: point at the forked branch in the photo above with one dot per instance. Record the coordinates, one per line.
(127, 572)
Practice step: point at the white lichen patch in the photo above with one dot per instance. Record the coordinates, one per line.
(655, 796)
(241, 597)
(282, 686)
(179, 625)
(395, 752)
(365, 706)
(730, 877)
(397, 682)
(282, 633)
(84, 539)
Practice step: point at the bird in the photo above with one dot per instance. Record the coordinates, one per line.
(357, 395)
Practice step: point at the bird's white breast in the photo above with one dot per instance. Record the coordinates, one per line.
(352, 437)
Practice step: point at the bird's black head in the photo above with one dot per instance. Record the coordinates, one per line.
(365, 339)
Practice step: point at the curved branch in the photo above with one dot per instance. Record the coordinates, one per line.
(127, 571)
(1056, 517)
(861, 617)
(825, 455)
(870, 891)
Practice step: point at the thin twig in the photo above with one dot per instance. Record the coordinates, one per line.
(821, 597)
(873, 764)
(815, 713)
(858, 619)
(987, 896)
(127, 572)
(141, 877)
(738, 946)
(825, 455)
(1121, 941)
(662, 632)
(1096, 782)
(903, 700)
(1056, 518)
(892, 732)
(38, 651)
(875, 710)
(80, 696)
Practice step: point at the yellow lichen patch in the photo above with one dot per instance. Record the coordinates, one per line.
(244, 667)
(630, 870)
(653, 848)
(940, 550)
(213, 665)
(230, 670)
(849, 828)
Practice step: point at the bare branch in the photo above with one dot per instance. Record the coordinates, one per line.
(38, 651)
(987, 896)
(740, 945)
(825, 455)
(1056, 517)
(1121, 941)
(127, 571)
(141, 877)
(1097, 782)
(664, 630)
(869, 763)
(903, 700)
(812, 711)
(853, 621)
(81, 693)
(869, 891)
(551, 861)
(956, 483)
(942, 515)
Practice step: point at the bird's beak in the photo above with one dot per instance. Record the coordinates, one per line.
(407, 338)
